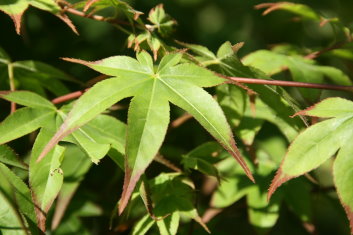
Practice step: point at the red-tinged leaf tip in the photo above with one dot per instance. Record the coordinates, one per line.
(17, 21)
(304, 112)
(54, 141)
(236, 154)
(89, 4)
(77, 61)
(270, 7)
(67, 20)
(129, 185)
(279, 179)
(350, 216)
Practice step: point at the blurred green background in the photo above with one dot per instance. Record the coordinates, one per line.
(205, 22)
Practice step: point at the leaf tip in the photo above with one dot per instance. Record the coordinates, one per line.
(236, 154)
(129, 185)
(279, 179)
(17, 21)
(67, 21)
(77, 61)
(349, 213)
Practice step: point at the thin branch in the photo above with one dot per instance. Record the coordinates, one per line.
(94, 17)
(289, 83)
(316, 54)
(159, 158)
(68, 97)
(177, 122)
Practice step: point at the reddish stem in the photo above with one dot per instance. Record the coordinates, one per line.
(289, 83)
(67, 97)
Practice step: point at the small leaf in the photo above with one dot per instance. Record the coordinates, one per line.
(300, 9)
(23, 122)
(28, 99)
(330, 107)
(199, 50)
(343, 177)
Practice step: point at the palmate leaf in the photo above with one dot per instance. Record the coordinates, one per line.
(148, 115)
(318, 143)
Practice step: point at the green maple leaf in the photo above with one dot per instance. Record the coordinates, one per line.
(318, 143)
(15, 10)
(152, 89)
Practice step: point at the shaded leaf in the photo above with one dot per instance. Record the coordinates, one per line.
(18, 197)
(143, 225)
(172, 193)
(74, 165)
(9, 157)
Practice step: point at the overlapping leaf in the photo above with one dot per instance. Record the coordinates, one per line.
(17, 209)
(275, 99)
(318, 143)
(302, 70)
(33, 75)
(148, 115)
(15, 10)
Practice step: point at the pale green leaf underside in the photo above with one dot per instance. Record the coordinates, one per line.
(343, 177)
(22, 122)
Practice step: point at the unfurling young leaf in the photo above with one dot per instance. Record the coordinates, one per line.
(148, 115)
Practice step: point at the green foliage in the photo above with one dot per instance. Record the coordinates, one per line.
(72, 144)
